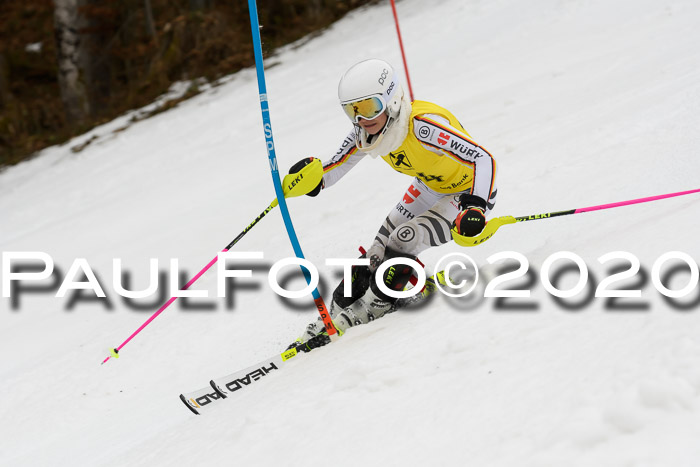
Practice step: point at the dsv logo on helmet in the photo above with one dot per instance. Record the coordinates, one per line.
(383, 77)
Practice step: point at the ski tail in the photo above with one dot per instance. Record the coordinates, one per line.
(201, 399)
(222, 388)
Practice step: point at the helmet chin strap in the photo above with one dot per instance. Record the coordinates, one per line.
(381, 131)
(366, 142)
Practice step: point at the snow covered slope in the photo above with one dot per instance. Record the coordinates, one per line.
(581, 103)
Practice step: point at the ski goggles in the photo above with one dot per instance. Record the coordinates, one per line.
(369, 108)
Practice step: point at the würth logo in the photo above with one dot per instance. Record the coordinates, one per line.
(469, 151)
(443, 138)
(411, 195)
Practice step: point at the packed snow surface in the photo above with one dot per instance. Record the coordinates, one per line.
(580, 102)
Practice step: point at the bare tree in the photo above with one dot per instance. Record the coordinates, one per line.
(5, 94)
(315, 9)
(72, 56)
(150, 26)
(198, 5)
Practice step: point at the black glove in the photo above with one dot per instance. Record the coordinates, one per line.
(471, 221)
(300, 165)
(396, 277)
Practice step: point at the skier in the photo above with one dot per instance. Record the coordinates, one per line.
(453, 185)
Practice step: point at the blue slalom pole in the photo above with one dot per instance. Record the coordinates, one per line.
(267, 126)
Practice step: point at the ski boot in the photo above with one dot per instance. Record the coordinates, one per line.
(374, 303)
(366, 302)
(316, 330)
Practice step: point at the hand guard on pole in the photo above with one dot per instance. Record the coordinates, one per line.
(299, 166)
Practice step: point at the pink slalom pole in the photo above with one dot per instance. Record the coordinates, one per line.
(605, 206)
(635, 201)
(115, 351)
(494, 224)
(164, 306)
(403, 55)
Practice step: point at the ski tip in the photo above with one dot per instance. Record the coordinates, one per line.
(184, 401)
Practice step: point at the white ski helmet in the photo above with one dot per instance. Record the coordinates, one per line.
(371, 78)
(373, 87)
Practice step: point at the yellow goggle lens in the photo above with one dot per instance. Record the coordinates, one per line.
(368, 109)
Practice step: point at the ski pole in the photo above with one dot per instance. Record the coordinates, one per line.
(296, 184)
(494, 224)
